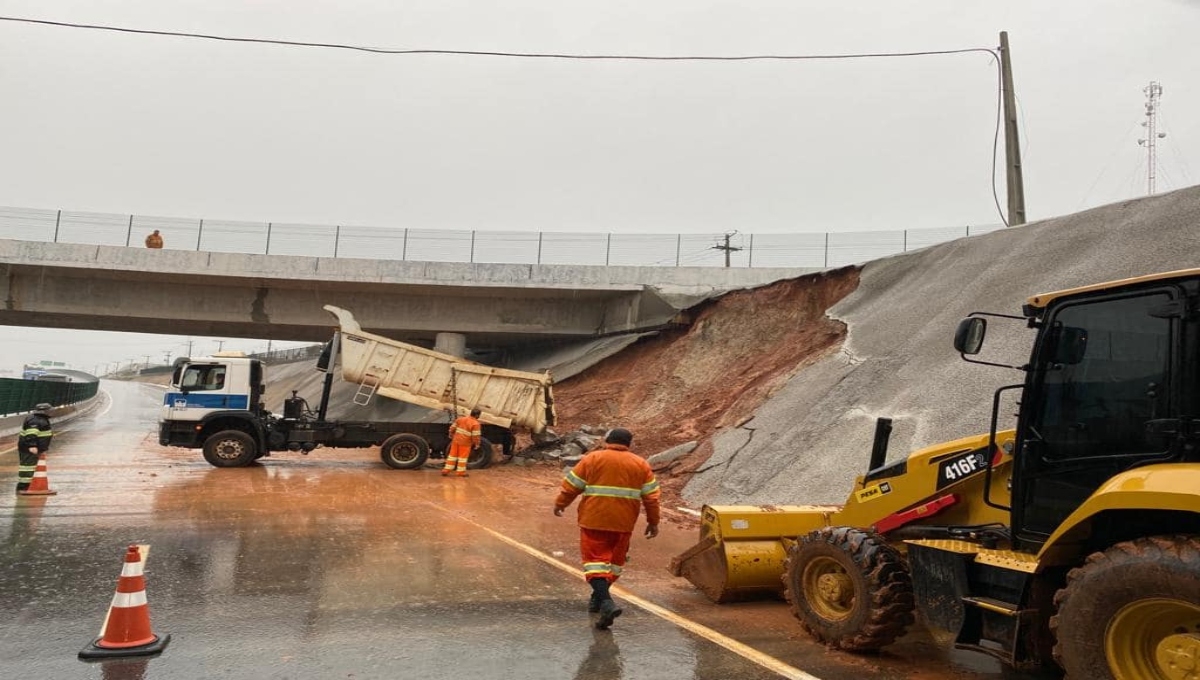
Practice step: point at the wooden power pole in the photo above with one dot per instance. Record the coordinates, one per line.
(1012, 145)
(727, 248)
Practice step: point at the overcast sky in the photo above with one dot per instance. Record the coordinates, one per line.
(112, 122)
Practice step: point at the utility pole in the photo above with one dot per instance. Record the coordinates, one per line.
(727, 248)
(189, 344)
(167, 357)
(1012, 145)
(220, 345)
(1153, 92)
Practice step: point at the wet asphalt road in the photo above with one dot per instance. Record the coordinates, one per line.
(334, 566)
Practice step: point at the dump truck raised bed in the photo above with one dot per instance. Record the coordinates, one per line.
(215, 403)
(1072, 539)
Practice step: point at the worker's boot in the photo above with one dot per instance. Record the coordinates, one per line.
(609, 611)
(460, 473)
(599, 593)
(603, 603)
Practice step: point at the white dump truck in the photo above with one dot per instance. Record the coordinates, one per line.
(215, 403)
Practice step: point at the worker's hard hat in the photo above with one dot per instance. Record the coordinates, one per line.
(619, 435)
(43, 407)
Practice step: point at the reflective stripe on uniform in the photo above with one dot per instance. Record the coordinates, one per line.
(35, 432)
(612, 492)
(650, 487)
(590, 568)
(574, 480)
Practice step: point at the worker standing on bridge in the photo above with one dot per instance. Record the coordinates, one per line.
(615, 484)
(465, 435)
(154, 240)
(33, 441)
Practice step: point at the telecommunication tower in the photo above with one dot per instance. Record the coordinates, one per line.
(1153, 92)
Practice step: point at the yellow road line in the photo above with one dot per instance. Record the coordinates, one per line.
(745, 651)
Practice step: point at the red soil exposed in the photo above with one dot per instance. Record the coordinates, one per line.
(683, 385)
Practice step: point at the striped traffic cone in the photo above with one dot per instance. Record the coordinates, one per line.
(126, 630)
(40, 484)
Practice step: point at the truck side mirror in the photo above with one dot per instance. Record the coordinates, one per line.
(968, 337)
(326, 357)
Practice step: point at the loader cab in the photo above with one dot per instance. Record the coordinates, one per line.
(1111, 385)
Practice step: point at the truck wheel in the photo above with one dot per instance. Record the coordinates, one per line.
(481, 456)
(849, 588)
(230, 448)
(404, 451)
(1132, 611)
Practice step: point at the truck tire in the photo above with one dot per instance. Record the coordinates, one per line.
(849, 588)
(230, 448)
(1127, 608)
(481, 456)
(404, 451)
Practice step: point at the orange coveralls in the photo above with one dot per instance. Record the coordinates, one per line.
(465, 434)
(616, 484)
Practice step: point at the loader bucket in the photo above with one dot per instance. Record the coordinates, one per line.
(742, 549)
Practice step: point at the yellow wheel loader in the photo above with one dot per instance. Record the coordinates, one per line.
(1073, 538)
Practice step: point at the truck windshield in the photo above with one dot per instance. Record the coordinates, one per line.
(203, 377)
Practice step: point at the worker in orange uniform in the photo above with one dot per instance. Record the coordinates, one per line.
(465, 434)
(154, 240)
(616, 484)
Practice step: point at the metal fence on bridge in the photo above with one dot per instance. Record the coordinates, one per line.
(832, 249)
(20, 396)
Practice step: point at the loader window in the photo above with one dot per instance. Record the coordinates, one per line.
(1099, 406)
(1088, 416)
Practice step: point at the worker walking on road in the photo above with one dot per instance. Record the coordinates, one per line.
(465, 435)
(154, 240)
(615, 484)
(33, 441)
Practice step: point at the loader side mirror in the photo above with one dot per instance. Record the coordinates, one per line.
(968, 337)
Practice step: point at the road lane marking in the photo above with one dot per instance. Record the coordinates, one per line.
(745, 651)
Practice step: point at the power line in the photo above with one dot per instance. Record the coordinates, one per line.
(993, 52)
(490, 53)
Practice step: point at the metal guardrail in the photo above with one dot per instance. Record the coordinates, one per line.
(800, 250)
(20, 396)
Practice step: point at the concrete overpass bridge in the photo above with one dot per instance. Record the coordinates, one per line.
(497, 307)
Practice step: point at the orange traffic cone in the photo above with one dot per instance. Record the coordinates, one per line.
(126, 630)
(40, 484)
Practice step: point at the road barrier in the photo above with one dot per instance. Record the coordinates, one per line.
(127, 629)
(21, 396)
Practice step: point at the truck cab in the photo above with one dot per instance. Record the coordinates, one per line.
(206, 385)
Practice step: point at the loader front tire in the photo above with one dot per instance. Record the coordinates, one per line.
(1131, 611)
(849, 588)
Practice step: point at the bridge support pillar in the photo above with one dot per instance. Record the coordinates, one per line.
(454, 344)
